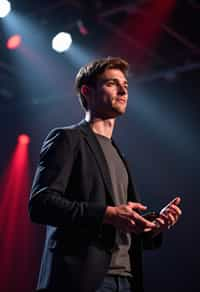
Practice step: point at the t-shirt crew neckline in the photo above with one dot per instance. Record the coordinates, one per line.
(103, 137)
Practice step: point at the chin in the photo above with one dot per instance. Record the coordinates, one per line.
(119, 112)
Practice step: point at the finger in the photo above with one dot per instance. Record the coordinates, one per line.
(176, 201)
(132, 223)
(166, 221)
(176, 209)
(164, 216)
(137, 206)
(161, 225)
(171, 219)
(174, 214)
(159, 222)
(142, 221)
(137, 229)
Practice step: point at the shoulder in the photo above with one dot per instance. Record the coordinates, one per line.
(67, 132)
(61, 137)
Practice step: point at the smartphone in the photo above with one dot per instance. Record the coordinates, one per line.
(175, 201)
(151, 216)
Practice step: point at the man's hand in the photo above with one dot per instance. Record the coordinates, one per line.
(168, 216)
(127, 218)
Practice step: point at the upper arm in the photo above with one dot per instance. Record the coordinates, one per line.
(56, 160)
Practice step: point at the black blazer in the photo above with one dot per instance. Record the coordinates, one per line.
(70, 192)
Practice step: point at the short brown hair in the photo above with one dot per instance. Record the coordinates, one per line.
(89, 73)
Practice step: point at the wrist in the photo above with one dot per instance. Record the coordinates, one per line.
(109, 215)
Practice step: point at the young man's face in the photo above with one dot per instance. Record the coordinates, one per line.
(110, 95)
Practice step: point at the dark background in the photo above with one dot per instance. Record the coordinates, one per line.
(159, 134)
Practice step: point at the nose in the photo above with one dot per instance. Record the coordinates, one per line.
(121, 89)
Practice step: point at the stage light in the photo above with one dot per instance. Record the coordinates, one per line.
(82, 28)
(62, 42)
(14, 42)
(5, 8)
(23, 139)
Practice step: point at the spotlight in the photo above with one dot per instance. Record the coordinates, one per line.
(23, 139)
(62, 42)
(14, 42)
(5, 8)
(82, 28)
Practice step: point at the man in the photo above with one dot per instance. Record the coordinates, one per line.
(84, 193)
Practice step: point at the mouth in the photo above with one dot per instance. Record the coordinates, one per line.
(121, 100)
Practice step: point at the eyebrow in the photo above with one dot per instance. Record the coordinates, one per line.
(114, 79)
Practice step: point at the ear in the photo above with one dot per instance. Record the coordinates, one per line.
(85, 90)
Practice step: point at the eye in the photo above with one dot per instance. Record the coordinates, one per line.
(111, 82)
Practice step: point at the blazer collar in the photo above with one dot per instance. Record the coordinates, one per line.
(99, 156)
(102, 163)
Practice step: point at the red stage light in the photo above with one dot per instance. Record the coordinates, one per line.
(82, 28)
(14, 42)
(15, 226)
(23, 139)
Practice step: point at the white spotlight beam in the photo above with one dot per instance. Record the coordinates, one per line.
(5, 8)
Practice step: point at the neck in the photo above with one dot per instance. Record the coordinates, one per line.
(100, 125)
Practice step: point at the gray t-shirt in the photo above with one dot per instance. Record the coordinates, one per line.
(120, 262)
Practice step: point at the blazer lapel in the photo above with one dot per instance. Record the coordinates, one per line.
(99, 156)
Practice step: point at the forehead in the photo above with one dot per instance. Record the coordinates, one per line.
(113, 74)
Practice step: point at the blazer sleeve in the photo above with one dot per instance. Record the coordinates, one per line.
(48, 204)
(148, 240)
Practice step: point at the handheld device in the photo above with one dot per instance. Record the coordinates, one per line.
(175, 201)
(151, 216)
